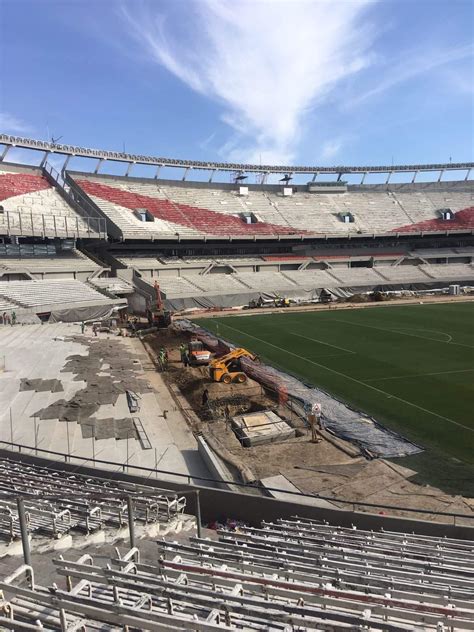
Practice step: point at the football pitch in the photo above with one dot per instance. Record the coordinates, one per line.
(411, 367)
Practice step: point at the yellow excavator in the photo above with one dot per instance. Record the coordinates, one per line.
(226, 369)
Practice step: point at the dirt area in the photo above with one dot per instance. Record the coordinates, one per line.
(193, 380)
(332, 468)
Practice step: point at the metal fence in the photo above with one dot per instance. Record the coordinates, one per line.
(189, 479)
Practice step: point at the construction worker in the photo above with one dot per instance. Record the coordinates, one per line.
(315, 423)
(13, 318)
(163, 358)
(83, 327)
(205, 397)
(186, 358)
(182, 352)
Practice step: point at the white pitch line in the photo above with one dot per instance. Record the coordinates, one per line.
(353, 379)
(433, 331)
(403, 333)
(401, 377)
(321, 342)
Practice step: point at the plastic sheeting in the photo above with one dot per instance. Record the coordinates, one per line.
(82, 314)
(304, 293)
(372, 437)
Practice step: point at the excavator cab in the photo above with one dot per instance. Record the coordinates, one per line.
(197, 352)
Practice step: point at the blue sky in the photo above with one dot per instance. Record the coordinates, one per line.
(285, 82)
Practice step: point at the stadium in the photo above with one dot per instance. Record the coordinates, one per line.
(255, 380)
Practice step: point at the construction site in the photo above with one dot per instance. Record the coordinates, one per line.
(255, 431)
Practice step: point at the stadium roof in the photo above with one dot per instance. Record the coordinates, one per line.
(102, 155)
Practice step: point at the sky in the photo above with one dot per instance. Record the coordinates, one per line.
(313, 82)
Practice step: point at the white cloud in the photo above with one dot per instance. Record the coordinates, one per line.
(414, 64)
(10, 124)
(331, 148)
(267, 62)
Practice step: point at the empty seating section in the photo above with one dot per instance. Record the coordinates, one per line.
(177, 286)
(310, 279)
(178, 218)
(30, 206)
(462, 220)
(291, 281)
(74, 502)
(34, 294)
(112, 284)
(218, 283)
(190, 210)
(404, 274)
(357, 276)
(295, 574)
(62, 265)
(463, 272)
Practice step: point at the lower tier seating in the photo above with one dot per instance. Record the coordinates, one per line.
(293, 574)
(37, 293)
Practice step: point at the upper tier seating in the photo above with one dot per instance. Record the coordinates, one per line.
(170, 216)
(34, 294)
(295, 574)
(195, 211)
(30, 206)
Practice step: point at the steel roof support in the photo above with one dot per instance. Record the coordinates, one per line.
(66, 162)
(45, 158)
(157, 174)
(468, 174)
(129, 168)
(98, 165)
(440, 175)
(389, 175)
(185, 174)
(414, 176)
(5, 152)
(212, 175)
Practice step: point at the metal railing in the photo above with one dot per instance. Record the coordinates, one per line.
(190, 479)
(88, 213)
(29, 224)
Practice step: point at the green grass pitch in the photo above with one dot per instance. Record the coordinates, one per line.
(411, 367)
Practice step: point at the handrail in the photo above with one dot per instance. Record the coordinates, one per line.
(23, 224)
(125, 467)
(85, 209)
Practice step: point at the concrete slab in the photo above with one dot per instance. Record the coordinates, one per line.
(43, 352)
(280, 482)
(262, 427)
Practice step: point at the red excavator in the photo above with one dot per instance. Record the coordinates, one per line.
(157, 315)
